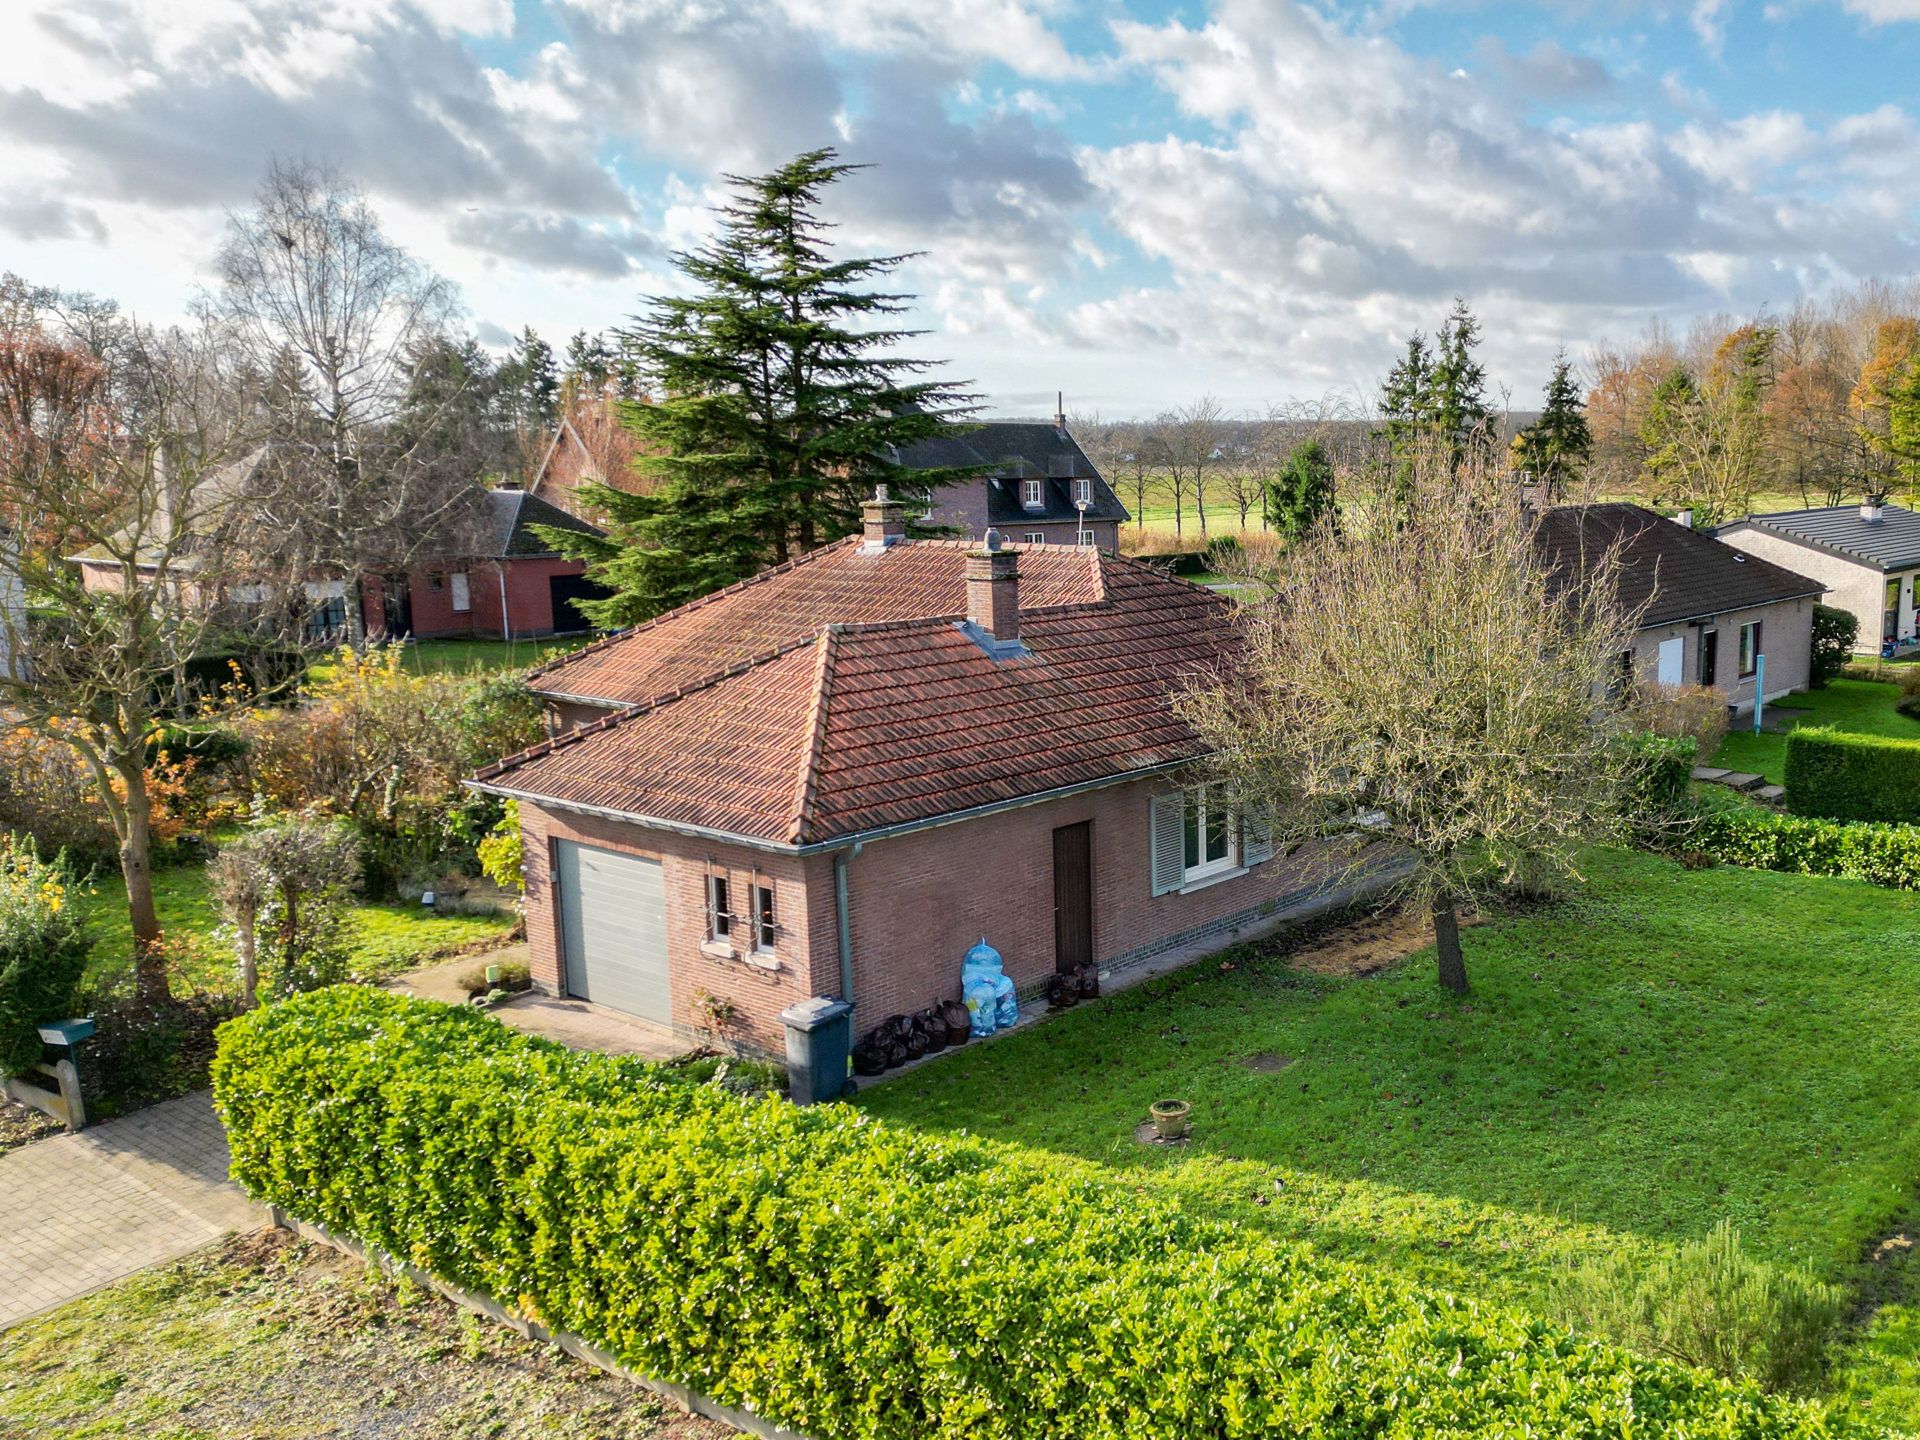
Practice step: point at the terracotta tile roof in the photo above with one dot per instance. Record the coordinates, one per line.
(838, 584)
(857, 727)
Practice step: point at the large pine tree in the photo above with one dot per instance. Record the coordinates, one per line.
(1459, 385)
(777, 403)
(1555, 449)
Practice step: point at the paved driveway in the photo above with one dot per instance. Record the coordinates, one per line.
(79, 1211)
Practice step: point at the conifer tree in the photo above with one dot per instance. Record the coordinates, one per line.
(1555, 449)
(778, 403)
(1406, 408)
(1302, 493)
(1459, 385)
(529, 383)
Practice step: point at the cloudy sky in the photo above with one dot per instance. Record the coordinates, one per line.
(1132, 202)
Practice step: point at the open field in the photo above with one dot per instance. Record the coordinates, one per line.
(269, 1338)
(464, 657)
(1660, 1051)
(1863, 706)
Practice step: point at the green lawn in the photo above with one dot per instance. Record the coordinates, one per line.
(463, 657)
(387, 938)
(1865, 706)
(267, 1338)
(1668, 1048)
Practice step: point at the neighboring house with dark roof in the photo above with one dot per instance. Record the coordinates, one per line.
(834, 778)
(514, 584)
(1036, 481)
(1710, 611)
(1866, 557)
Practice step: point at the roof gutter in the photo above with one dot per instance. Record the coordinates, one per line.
(852, 840)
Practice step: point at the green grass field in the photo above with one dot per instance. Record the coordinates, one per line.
(387, 938)
(267, 1338)
(1864, 706)
(1664, 1049)
(467, 657)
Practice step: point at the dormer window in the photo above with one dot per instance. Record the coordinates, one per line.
(1033, 494)
(1083, 491)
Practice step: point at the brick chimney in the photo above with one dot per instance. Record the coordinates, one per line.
(884, 521)
(993, 595)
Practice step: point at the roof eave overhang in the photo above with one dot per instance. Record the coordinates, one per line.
(836, 842)
(1688, 619)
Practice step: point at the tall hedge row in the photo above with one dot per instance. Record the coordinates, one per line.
(1838, 775)
(848, 1279)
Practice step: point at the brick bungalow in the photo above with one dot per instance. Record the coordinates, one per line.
(1711, 610)
(514, 584)
(834, 778)
(1038, 479)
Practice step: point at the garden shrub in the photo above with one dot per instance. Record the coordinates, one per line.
(1834, 633)
(43, 951)
(501, 850)
(143, 1052)
(1710, 1304)
(851, 1280)
(1659, 798)
(1803, 845)
(1696, 711)
(1840, 775)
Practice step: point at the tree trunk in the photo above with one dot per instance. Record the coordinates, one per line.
(247, 942)
(136, 868)
(1446, 936)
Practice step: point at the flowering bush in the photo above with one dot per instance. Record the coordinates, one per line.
(43, 950)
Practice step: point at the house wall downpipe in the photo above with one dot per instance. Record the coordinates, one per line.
(840, 859)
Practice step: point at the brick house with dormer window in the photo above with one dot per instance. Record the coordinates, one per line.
(835, 777)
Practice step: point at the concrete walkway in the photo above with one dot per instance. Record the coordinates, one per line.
(80, 1211)
(572, 1022)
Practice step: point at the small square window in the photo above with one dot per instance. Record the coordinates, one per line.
(436, 581)
(1210, 834)
(1036, 537)
(1033, 493)
(765, 931)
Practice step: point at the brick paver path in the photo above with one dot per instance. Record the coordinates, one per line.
(79, 1211)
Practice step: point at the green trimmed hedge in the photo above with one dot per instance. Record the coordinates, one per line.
(1839, 775)
(1804, 845)
(848, 1279)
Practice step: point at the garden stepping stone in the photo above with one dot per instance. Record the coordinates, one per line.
(1772, 794)
(1710, 773)
(1741, 780)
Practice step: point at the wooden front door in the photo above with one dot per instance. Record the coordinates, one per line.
(1073, 895)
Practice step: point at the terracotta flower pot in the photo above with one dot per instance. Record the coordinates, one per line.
(1170, 1118)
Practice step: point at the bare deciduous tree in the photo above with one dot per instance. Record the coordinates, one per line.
(117, 457)
(315, 299)
(1428, 686)
(1196, 436)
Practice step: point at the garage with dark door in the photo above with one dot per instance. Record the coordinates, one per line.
(613, 930)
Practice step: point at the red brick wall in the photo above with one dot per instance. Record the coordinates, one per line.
(529, 598)
(916, 903)
(806, 929)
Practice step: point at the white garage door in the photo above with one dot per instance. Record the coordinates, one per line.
(1672, 665)
(613, 925)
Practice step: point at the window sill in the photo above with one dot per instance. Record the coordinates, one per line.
(716, 949)
(762, 959)
(1206, 881)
